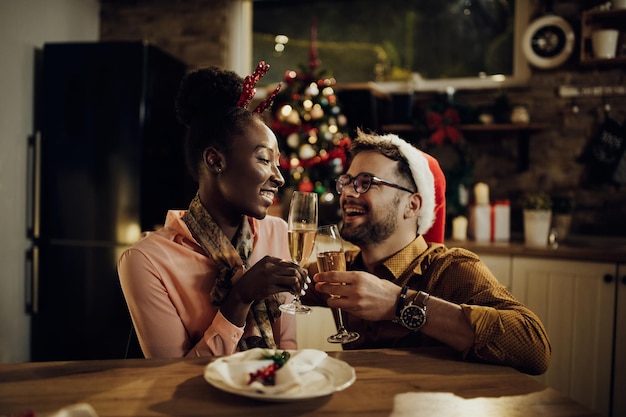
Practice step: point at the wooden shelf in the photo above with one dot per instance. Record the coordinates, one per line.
(522, 131)
(398, 128)
(604, 62)
(504, 127)
(496, 127)
(600, 19)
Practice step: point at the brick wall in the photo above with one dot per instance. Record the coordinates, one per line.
(554, 151)
(195, 31)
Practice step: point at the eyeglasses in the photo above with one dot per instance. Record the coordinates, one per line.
(363, 181)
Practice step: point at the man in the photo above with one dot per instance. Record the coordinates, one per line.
(401, 291)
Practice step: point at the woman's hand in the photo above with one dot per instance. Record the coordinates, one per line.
(267, 277)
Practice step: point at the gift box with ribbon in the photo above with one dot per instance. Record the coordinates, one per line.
(490, 222)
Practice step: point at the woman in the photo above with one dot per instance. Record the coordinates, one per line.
(210, 281)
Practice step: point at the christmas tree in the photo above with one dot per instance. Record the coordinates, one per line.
(309, 124)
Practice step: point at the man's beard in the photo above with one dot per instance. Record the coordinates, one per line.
(375, 230)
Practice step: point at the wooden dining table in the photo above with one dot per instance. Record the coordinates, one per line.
(389, 382)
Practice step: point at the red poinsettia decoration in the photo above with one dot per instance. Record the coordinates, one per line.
(443, 126)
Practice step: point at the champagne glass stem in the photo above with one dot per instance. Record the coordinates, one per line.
(342, 328)
(342, 335)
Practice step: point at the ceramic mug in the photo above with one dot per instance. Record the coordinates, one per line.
(604, 43)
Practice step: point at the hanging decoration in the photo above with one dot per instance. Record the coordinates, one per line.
(443, 126)
(310, 127)
(444, 140)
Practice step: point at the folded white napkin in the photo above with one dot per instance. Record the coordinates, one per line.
(235, 371)
(305, 360)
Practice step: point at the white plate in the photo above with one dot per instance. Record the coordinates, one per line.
(338, 374)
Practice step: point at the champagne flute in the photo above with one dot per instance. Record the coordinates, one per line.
(302, 225)
(331, 256)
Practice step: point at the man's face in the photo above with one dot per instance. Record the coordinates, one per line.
(372, 217)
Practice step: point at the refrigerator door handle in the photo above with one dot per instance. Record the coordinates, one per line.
(32, 281)
(33, 181)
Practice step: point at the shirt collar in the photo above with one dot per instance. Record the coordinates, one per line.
(397, 264)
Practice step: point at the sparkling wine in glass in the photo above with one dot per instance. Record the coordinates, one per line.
(302, 226)
(331, 256)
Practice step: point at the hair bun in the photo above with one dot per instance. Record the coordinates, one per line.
(207, 93)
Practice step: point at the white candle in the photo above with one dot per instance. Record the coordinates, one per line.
(481, 194)
(459, 228)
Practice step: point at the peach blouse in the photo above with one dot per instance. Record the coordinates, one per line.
(167, 279)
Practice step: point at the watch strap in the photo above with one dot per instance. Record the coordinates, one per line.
(401, 300)
(421, 299)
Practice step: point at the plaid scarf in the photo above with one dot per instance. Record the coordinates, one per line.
(232, 262)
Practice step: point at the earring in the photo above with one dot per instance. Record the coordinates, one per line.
(219, 170)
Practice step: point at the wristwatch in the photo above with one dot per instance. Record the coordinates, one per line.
(413, 315)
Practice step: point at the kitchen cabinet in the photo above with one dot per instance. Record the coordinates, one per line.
(576, 302)
(619, 355)
(601, 19)
(314, 328)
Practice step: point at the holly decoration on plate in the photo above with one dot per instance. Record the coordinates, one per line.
(267, 375)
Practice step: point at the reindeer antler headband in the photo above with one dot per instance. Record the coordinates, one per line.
(249, 90)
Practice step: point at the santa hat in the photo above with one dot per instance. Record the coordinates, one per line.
(422, 176)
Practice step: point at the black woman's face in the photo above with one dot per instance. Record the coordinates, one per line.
(252, 177)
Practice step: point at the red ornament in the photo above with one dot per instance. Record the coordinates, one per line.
(285, 162)
(305, 186)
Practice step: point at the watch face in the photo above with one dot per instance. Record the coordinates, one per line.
(413, 317)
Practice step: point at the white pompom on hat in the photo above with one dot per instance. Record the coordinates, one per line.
(422, 176)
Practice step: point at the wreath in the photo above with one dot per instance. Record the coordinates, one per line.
(445, 141)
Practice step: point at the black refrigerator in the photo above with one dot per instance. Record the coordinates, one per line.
(106, 163)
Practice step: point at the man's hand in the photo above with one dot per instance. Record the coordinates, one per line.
(359, 293)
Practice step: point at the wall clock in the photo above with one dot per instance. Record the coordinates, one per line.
(548, 42)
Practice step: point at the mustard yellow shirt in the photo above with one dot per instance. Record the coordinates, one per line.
(506, 331)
